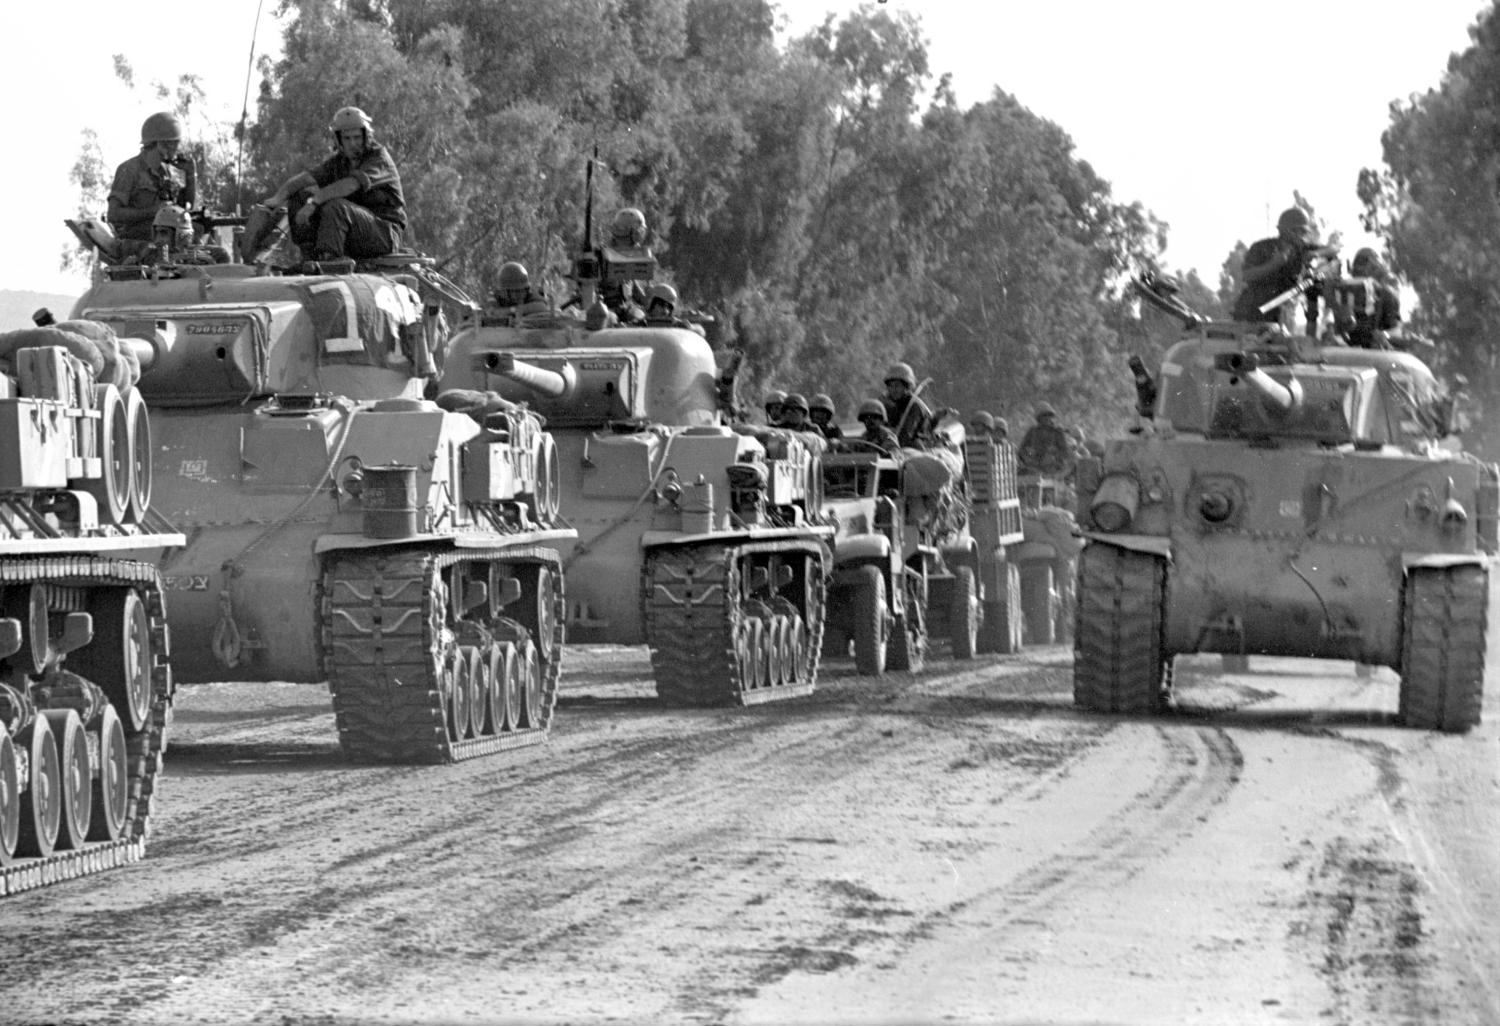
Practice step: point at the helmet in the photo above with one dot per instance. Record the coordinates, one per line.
(1366, 264)
(1294, 220)
(1002, 426)
(513, 276)
(664, 292)
(169, 215)
(775, 397)
(901, 372)
(872, 408)
(981, 419)
(795, 401)
(629, 225)
(821, 401)
(346, 119)
(162, 127)
(1045, 410)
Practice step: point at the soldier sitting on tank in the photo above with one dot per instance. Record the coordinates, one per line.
(514, 294)
(1273, 266)
(820, 410)
(877, 432)
(1046, 449)
(1365, 307)
(353, 205)
(628, 237)
(156, 176)
(773, 401)
(905, 409)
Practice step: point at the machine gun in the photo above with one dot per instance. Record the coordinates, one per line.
(1323, 267)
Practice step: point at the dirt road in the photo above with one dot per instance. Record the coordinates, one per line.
(959, 847)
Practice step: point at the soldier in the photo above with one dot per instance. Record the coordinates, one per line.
(794, 413)
(661, 304)
(773, 401)
(1272, 266)
(627, 229)
(155, 176)
(628, 299)
(356, 207)
(982, 424)
(820, 411)
(514, 291)
(1001, 432)
(872, 416)
(904, 408)
(1365, 307)
(1046, 449)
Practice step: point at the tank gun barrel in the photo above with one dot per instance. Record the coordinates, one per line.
(547, 383)
(145, 352)
(1285, 398)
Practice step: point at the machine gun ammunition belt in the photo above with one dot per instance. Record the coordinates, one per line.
(386, 641)
(706, 646)
(143, 748)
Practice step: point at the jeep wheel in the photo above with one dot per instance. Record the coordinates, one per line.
(869, 622)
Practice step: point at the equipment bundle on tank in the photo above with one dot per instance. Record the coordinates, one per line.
(1288, 499)
(698, 539)
(85, 685)
(342, 526)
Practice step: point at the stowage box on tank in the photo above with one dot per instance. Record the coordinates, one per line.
(1288, 499)
(341, 526)
(85, 683)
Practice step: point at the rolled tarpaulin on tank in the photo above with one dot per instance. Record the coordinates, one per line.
(929, 471)
(56, 335)
(122, 367)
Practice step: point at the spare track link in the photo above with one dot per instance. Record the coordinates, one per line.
(143, 748)
(692, 612)
(384, 643)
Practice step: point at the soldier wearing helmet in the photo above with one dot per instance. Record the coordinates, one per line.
(353, 205)
(1272, 266)
(156, 175)
(820, 411)
(904, 408)
(1046, 449)
(1366, 309)
(794, 412)
(513, 291)
(1001, 431)
(627, 229)
(872, 416)
(982, 424)
(773, 401)
(627, 298)
(661, 304)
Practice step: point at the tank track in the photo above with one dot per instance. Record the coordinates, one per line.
(1119, 660)
(143, 748)
(1443, 648)
(385, 642)
(709, 647)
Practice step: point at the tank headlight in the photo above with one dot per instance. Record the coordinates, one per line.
(1115, 503)
(1215, 507)
(672, 489)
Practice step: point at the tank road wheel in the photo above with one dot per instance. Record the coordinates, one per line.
(1442, 651)
(537, 609)
(119, 657)
(1037, 600)
(76, 793)
(869, 622)
(454, 682)
(510, 689)
(963, 615)
(773, 641)
(28, 603)
(41, 804)
(1119, 654)
(793, 644)
(10, 800)
(494, 687)
(474, 674)
(1001, 629)
(139, 433)
(531, 687)
(111, 490)
(111, 792)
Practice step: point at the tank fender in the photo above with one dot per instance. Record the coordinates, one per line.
(864, 548)
(1145, 543)
(1442, 560)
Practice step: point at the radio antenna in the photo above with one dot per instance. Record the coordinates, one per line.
(239, 160)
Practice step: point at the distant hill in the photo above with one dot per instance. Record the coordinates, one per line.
(17, 307)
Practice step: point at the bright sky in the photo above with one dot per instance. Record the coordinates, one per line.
(1208, 114)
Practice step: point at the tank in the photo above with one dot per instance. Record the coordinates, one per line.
(1292, 499)
(340, 525)
(699, 539)
(922, 550)
(85, 682)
